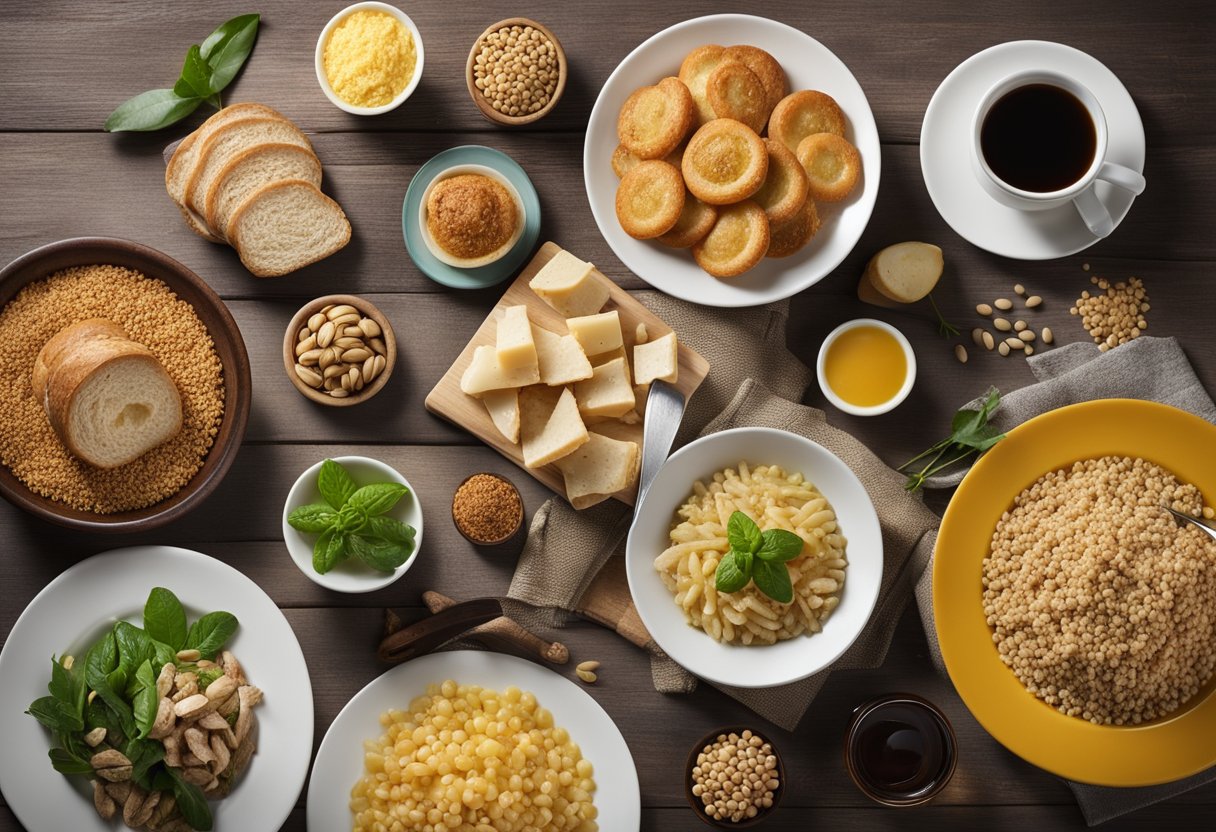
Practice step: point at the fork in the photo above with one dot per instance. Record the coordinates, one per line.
(1179, 516)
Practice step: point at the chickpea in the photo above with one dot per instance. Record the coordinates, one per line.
(511, 70)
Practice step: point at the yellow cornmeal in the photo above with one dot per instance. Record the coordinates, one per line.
(369, 58)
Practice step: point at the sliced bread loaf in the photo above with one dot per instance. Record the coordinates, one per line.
(285, 226)
(250, 170)
(107, 397)
(230, 139)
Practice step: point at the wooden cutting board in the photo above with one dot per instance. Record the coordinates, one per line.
(448, 401)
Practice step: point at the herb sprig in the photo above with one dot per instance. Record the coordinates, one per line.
(209, 68)
(944, 327)
(352, 521)
(757, 556)
(971, 435)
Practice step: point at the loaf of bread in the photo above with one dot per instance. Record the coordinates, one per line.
(107, 397)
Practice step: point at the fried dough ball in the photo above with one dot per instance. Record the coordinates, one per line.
(832, 166)
(735, 92)
(725, 161)
(694, 223)
(790, 236)
(802, 113)
(738, 240)
(766, 68)
(649, 199)
(695, 71)
(785, 188)
(654, 120)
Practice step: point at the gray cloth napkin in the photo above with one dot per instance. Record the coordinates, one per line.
(1152, 369)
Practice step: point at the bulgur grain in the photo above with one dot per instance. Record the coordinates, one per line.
(153, 316)
(487, 508)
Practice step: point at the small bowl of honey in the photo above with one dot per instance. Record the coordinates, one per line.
(866, 367)
(900, 750)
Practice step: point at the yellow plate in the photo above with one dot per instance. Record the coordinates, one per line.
(1168, 749)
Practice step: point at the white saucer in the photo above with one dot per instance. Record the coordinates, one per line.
(945, 146)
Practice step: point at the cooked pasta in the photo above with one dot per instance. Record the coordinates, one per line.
(774, 500)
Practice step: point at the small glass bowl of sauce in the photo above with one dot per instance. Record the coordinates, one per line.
(866, 367)
(900, 750)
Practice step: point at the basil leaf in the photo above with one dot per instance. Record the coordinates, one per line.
(67, 763)
(773, 579)
(101, 659)
(328, 551)
(780, 546)
(191, 802)
(100, 715)
(196, 75)
(68, 688)
(378, 498)
(210, 633)
(163, 654)
(134, 647)
(145, 702)
(335, 484)
(730, 577)
(351, 519)
(383, 555)
(165, 618)
(226, 49)
(151, 110)
(143, 754)
(743, 533)
(312, 519)
(390, 529)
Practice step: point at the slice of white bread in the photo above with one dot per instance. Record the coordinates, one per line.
(285, 226)
(251, 169)
(181, 163)
(107, 397)
(226, 142)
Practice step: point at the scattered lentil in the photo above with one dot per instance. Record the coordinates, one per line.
(516, 70)
(1115, 315)
(487, 508)
(736, 777)
(153, 315)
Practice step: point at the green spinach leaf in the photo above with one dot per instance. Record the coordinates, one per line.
(56, 715)
(65, 762)
(312, 519)
(134, 647)
(145, 702)
(191, 802)
(165, 618)
(210, 633)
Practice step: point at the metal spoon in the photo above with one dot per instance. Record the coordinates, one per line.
(664, 412)
(1179, 516)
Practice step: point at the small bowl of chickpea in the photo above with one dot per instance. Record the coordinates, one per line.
(516, 72)
(734, 778)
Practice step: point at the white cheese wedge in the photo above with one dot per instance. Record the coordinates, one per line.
(597, 333)
(561, 360)
(608, 392)
(600, 466)
(484, 373)
(549, 431)
(503, 407)
(570, 286)
(515, 346)
(657, 359)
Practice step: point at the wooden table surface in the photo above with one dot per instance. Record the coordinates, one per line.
(65, 65)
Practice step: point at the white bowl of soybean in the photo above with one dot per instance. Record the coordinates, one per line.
(323, 75)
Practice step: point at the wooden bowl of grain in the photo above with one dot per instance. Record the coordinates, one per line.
(306, 363)
(169, 481)
(545, 72)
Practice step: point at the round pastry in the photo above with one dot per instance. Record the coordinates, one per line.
(623, 161)
(766, 68)
(785, 188)
(649, 199)
(725, 161)
(695, 71)
(654, 120)
(694, 223)
(735, 92)
(738, 240)
(802, 113)
(790, 236)
(832, 166)
(471, 216)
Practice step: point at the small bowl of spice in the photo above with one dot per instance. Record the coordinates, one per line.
(516, 71)
(487, 509)
(734, 778)
(339, 350)
(369, 58)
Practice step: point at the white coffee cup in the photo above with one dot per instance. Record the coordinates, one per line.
(1081, 192)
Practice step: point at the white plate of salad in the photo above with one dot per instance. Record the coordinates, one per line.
(122, 616)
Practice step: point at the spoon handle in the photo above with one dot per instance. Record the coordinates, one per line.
(664, 411)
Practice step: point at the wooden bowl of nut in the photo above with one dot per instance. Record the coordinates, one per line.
(734, 750)
(339, 350)
(516, 71)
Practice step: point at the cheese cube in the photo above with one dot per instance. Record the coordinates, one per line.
(568, 285)
(601, 466)
(657, 359)
(559, 357)
(608, 391)
(597, 333)
(515, 347)
(549, 430)
(503, 407)
(484, 373)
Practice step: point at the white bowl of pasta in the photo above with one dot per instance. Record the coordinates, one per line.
(680, 536)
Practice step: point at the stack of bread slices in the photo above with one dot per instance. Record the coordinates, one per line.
(249, 177)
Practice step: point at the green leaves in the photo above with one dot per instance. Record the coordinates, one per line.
(757, 556)
(210, 633)
(206, 71)
(352, 522)
(971, 435)
(65, 762)
(165, 618)
(191, 802)
(145, 702)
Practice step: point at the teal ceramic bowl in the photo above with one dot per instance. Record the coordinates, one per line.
(481, 276)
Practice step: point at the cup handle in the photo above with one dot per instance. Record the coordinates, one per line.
(1122, 177)
(1094, 213)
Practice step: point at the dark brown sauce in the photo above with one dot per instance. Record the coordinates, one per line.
(1038, 138)
(901, 751)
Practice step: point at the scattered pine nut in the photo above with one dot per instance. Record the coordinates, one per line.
(588, 666)
(1084, 267)
(989, 342)
(587, 676)
(1029, 350)
(1015, 343)
(1003, 304)
(1018, 326)
(960, 352)
(1003, 348)
(1018, 288)
(984, 309)
(1209, 512)
(977, 336)
(1026, 335)
(1048, 337)
(1002, 324)
(1033, 301)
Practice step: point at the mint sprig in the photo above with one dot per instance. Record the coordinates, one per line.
(757, 556)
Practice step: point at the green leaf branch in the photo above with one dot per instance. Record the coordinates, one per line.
(971, 434)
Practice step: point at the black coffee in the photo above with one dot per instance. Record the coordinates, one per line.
(900, 750)
(1038, 138)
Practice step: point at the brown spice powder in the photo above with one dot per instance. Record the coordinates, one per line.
(487, 508)
(152, 315)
